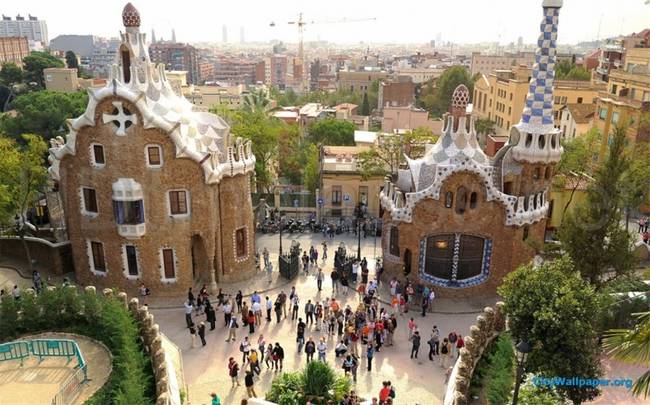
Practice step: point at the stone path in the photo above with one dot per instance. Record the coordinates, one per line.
(37, 383)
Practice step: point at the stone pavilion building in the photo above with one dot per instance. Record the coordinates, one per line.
(154, 191)
(460, 221)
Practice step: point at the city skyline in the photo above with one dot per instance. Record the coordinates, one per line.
(410, 23)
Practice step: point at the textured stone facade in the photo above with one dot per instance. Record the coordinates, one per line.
(133, 219)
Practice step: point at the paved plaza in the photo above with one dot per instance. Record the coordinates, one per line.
(417, 381)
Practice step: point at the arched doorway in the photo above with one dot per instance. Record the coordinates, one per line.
(407, 262)
(200, 261)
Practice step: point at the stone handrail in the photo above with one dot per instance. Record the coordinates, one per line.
(487, 327)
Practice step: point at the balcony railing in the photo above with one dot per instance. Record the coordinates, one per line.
(603, 95)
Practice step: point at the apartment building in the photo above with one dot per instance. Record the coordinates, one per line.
(486, 64)
(177, 56)
(13, 49)
(32, 28)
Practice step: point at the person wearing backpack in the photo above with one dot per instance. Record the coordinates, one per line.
(444, 353)
(232, 329)
(233, 371)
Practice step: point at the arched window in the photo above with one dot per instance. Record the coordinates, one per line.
(549, 170)
(525, 233)
(393, 242)
(126, 63)
(536, 173)
(449, 199)
(461, 200)
(473, 200)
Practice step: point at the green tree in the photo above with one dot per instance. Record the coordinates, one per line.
(256, 100)
(365, 106)
(35, 62)
(43, 113)
(71, 60)
(485, 126)
(633, 346)
(577, 164)
(567, 70)
(22, 177)
(311, 174)
(389, 153)
(599, 247)
(10, 74)
(332, 132)
(440, 99)
(556, 311)
(636, 180)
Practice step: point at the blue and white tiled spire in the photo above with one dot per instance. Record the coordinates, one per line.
(538, 140)
(538, 112)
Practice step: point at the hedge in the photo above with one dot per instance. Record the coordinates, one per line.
(318, 384)
(93, 315)
(495, 372)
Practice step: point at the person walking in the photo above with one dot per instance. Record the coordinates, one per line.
(215, 399)
(412, 328)
(249, 382)
(309, 312)
(444, 353)
(269, 272)
(188, 313)
(295, 302)
(190, 297)
(265, 255)
(245, 349)
(269, 308)
(201, 332)
(370, 353)
(283, 302)
(278, 309)
(354, 368)
(268, 354)
(257, 310)
(227, 312)
(278, 355)
(238, 300)
(300, 334)
(233, 371)
(452, 338)
(193, 335)
(432, 345)
(210, 315)
(232, 330)
(251, 319)
(261, 345)
(324, 250)
(319, 279)
(322, 350)
(310, 349)
(416, 345)
(460, 343)
(254, 362)
(335, 281)
(435, 336)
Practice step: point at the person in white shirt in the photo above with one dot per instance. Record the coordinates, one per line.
(269, 308)
(245, 348)
(257, 310)
(340, 349)
(188, 313)
(227, 312)
(294, 306)
(355, 271)
(322, 349)
(432, 296)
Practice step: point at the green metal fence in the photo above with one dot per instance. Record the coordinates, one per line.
(42, 348)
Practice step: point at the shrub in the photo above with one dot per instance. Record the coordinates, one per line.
(495, 371)
(103, 319)
(318, 383)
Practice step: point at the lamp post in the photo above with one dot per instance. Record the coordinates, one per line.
(360, 213)
(280, 227)
(523, 348)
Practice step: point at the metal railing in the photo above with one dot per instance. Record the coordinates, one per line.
(42, 348)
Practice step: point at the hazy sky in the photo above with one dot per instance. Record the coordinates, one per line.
(397, 21)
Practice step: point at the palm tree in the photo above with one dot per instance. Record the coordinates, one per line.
(633, 346)
(256, 100)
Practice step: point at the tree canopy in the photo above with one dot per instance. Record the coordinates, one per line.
(22, 174)
(43, 113)
(71, 60)
(592, 236)
(438, 99)
(332, 132)
(567, 70)
(10, 74)
(556, 311)
(35, 62)
(389, 154)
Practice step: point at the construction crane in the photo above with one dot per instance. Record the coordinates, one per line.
(300, 23)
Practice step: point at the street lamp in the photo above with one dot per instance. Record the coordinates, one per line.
(280, 227)
(523, 348)
(360, 213)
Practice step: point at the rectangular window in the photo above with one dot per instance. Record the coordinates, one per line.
(90, 200)
(602, 113)
(129, 212)
(240, 238)
(394, 241)
(336, 195)
(98, 154)
(131, 260)
(615, 118)
(178, 202)
(98, 256)
(153, 155)
(363, 195)
(579, 100)
(168, 263)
